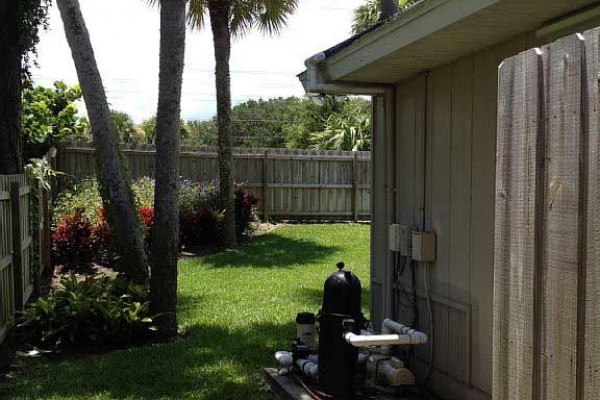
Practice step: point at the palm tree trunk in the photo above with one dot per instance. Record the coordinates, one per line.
(219, 21)
(10, 89)
(389, 8)
(164, 248)
(122, 214)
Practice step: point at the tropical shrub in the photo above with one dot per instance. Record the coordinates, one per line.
(143, 190)
(245, 207)
(84, 195)
(49, 118)
(77, 242)
(187, 198)
(73, 242)
(147, 218)
(104, 252)
(200, 219)
(349, 131)
(88, 311)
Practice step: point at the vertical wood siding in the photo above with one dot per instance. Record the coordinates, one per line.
(444, 161)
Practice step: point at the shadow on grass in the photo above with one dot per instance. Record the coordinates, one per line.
(186, 302)
(272, 250)
(210, 363)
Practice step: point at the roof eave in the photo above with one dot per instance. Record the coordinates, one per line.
(409, 27)
(436, 32)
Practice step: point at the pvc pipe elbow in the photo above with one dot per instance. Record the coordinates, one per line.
(284, 358)
(309, 368)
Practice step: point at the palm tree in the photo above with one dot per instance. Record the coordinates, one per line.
(117, 194)
(164, 244)
(10, 88)
(389, 8)
(229, 18)
(373, 11)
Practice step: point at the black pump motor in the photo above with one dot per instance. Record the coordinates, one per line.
(340, 313)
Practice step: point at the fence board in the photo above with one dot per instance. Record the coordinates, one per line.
(289, 183)
(547, 269)
(14, 218)
(561, 237)
(590, 360)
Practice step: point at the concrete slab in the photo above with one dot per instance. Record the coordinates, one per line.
(285, 387)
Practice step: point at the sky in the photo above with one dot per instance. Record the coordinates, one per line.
(125, 36)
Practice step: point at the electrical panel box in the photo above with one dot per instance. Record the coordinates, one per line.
(406, 239)
(394, 237)
(423, 246)
(400, 237)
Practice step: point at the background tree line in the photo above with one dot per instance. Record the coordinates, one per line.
(50, 117)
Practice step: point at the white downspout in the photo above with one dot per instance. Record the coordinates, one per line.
(316, 84)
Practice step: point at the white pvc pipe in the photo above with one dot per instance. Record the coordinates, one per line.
(284, 358)
(309, 368)
(376, 340)
(393, 334)
(388, 326)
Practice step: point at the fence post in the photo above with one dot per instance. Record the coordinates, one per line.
(46, 237)
(265, 186)
(355, 186)
(17, 255)
(38, 231)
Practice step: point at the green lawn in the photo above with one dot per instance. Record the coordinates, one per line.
(236, 308)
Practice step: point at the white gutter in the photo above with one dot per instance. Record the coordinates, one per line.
(316, 81)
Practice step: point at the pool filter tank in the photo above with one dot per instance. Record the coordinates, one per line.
(340, 313)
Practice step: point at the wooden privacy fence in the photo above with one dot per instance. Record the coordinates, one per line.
(547, 250)
(290, 184)
(16, 284)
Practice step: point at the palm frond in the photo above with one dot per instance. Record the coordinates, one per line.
(268, 16)
(196, 15)
(243, 14)
(153, 3)
(275, 14)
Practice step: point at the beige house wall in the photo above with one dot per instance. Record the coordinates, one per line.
(434, 168)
